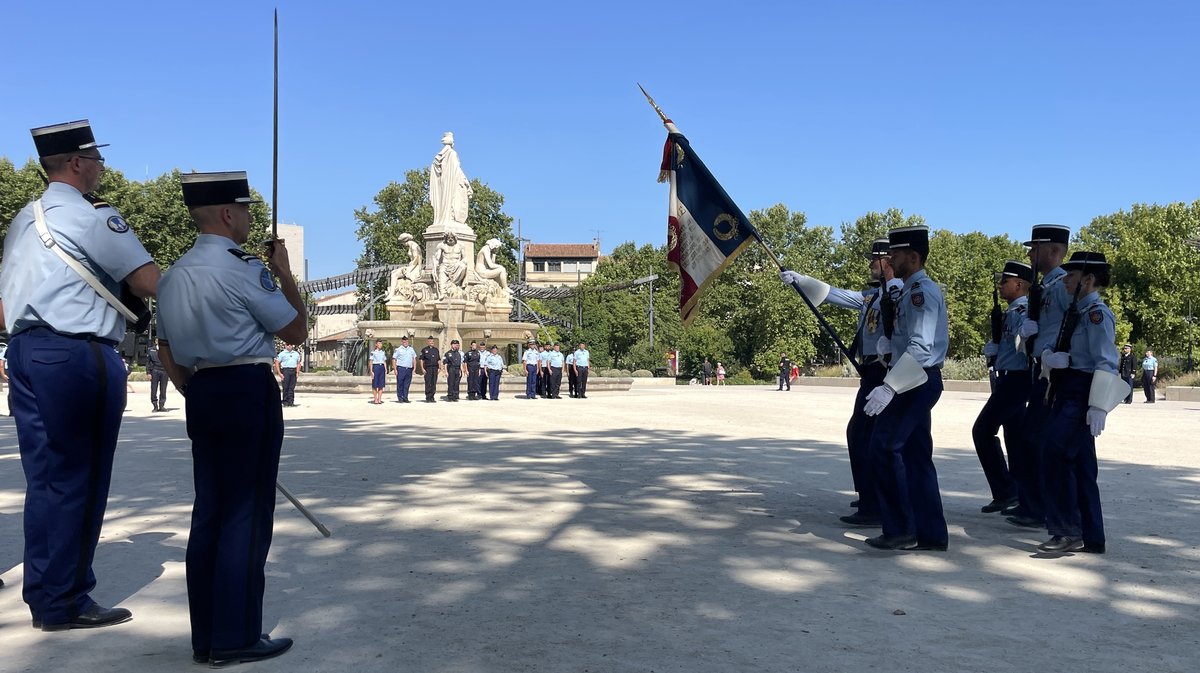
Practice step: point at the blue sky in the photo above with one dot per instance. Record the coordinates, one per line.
(984, 116)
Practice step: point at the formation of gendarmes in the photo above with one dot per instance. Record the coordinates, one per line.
(1055, 360)
(68, 255)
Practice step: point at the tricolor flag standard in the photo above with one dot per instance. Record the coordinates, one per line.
(706, 230)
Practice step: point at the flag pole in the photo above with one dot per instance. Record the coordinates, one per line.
(671, 128)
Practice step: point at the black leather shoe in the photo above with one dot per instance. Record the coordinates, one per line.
(998, 505)
(858, 519)
(1060, 544)
(855, 503)
(1026, 522)
(1093, 548)
(1015, 510)
(893, 542)
(93, 618)
(265, 648)
(931, 546)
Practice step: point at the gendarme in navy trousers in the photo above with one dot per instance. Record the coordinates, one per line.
(68, 394)
(235, 422)
(902, 456)
(1069, 462)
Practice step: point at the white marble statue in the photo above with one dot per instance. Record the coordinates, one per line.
(487, 267)
(449, 189)
(402, 279)
(449, 267)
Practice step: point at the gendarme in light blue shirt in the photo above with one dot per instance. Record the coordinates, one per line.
(378, 357)
(1093, 343)
(288, 359)
(530, 357)
(494, 361)
(1149, 363)
(218, 303)
(404, 356)
(1008, 358)
(582, 358)
(1055, 301)
(921, 327)
(866, 302)
(555, 359)
(39, 289)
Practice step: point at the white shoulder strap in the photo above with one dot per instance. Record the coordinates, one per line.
(39, 218)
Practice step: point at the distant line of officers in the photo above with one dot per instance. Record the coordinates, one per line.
(1055, 363)
(482, 366)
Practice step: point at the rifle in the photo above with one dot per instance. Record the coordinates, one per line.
(1033, 312)
(1065, 331)
(887, 314)
(997, 317)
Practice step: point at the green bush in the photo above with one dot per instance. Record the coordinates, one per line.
(1190, 379)
(966, 369)
(642, 374)
(742, 378)
(828, 372)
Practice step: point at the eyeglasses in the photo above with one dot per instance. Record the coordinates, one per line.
(99, 160)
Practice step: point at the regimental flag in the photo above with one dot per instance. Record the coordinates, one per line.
(706, 230)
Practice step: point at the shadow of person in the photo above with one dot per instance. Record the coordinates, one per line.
(127, 565)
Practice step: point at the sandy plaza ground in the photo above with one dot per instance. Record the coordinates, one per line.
(680, 529)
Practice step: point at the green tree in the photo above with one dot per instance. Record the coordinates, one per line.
(1154, 271)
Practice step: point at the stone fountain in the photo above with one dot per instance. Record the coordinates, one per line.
(448, 290)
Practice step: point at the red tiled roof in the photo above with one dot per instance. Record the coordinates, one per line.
(588, 250)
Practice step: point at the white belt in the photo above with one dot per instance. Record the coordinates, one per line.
(245, 360)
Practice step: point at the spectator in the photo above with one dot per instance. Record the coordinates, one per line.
(720, 374)
(1149, 375)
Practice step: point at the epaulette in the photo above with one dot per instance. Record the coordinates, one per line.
(1019, 308)
(96, 201)
(243, 255)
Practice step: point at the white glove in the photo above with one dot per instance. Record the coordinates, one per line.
(1055, 359)
(1027, 329)
(791, 277)
(990, 349)
(878, 399)
(1095, 420)
(883, 347)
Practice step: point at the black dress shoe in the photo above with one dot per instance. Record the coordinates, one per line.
(1026, 521)
(92, 618)
(893, 542)
(265, 648)
(859, 519)
(1093, 548)
(931, 546)
(1060, 544)
(855, 503)
(1015, 510)
(998, 505)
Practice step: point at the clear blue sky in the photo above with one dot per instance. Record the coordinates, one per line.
(984, 116)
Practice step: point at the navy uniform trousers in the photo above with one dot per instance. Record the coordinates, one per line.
(453, 381)
(1069, 462)
(67, 397)
(1005, 408)
(289, 384)
(858, 440)
(494, 383)
(1025, 459)
(555, 381)
(902, 457)
(473, 381)
(403, 382)
(581, 381)
(235, 422)
(484, 378)
(431, 376)
(531, 381)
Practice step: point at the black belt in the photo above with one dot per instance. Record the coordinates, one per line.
(1011, 372)
(287, 367)
(77, 337)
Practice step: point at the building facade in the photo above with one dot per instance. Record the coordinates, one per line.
(560, 264)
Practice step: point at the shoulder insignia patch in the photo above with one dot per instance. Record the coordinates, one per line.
(1019, 308)
(243, 255)
(98, 204)
(117, 224)
(918, 299)
(265, 279)
(916, 284)
(1096, 317)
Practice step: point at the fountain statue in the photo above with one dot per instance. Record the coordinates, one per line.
(440, 292)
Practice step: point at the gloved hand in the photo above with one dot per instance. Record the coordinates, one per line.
(1027, 329)
(1055, 359)
(883, 347)
(877, 399)
(1095, 420)
(990, 349)
(791, 277)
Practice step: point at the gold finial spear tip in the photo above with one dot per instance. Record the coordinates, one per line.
(654, 105)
